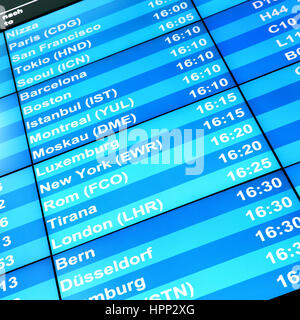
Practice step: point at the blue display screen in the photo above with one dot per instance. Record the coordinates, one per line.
(150, 150)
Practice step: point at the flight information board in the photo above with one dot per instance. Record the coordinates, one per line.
(149, 149)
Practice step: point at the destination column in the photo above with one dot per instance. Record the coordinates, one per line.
(23, 239)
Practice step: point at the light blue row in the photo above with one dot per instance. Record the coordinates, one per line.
(13, 146)
(294, 174)
(7, 88)
(4, 62)
(271, 82)
(280, 117)
(248, 23)
(259, 51)
(27, 253)
(9, 117)
(46, 290)
(289, 153)
(17, 181)
(22, 215)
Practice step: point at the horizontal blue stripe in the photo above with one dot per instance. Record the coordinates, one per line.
(236, 13)
(279, 139)
(17, 161)
(30, 276)
(263, 287)
(263, 66)
(9, 102)
(294, 174)
(252, 37)
(12, 131)
(24, 234)
(276, 98)
(6, 75)
(21, 196)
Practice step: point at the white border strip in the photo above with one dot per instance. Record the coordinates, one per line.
(22, 5)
